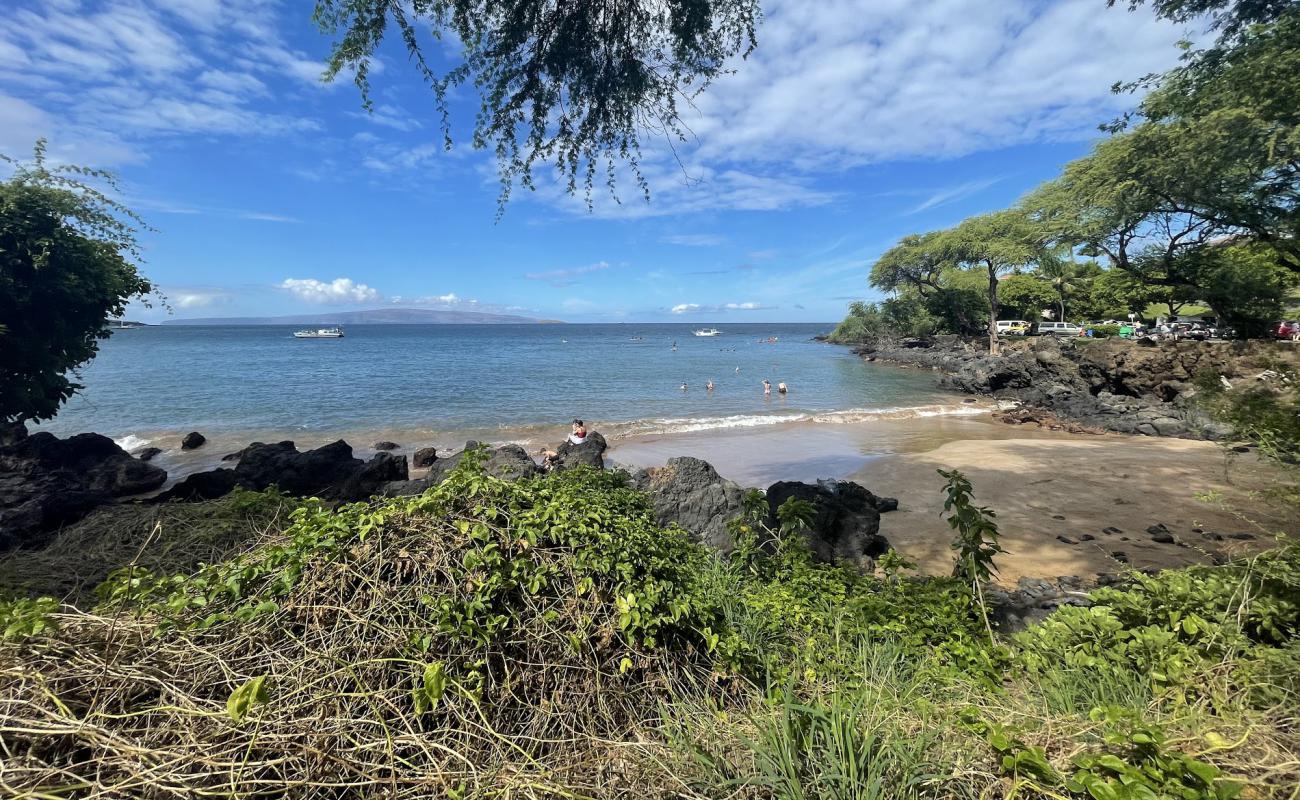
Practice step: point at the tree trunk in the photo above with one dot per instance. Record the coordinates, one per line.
(993, 311)
(1062, 310)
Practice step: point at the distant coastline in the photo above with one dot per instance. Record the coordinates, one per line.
(378, 316)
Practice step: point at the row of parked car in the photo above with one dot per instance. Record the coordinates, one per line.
(1202, 330)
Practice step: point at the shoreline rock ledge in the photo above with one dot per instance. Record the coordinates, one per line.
(47, 482)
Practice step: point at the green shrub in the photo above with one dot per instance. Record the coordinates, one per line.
(1173, 625)
(1103, 331)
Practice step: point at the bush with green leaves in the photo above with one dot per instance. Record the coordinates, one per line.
(1172, 626)
(68, 258)
(521, 627)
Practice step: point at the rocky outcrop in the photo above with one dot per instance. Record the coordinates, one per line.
(47, 482)
(330, 472)
(371, 478)
(205, 486)
(1109, 384)
(690, 493)
(845, 526)
(591, 453)
(424, 457)
(509, 461)
(385, 445)
(846, 521)
(148, 453)
(309, 473)
(193, 440)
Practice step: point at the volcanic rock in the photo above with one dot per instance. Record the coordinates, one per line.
(424, 457)
(690, 493)
(846, 520)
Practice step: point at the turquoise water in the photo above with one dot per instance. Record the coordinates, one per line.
(437, 382)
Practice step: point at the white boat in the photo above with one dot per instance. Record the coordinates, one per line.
(320, 333)
(707, 332)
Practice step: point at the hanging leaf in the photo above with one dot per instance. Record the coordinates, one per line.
(242, 700)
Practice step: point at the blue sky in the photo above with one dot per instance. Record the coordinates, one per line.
(855, 122)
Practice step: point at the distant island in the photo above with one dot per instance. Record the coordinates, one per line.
(378, 316)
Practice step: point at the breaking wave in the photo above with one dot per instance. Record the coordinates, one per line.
(130, 443)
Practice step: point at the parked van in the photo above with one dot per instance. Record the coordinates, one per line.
(1058, 329)
(1013, 327)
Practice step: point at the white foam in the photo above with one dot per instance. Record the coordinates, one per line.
(130, 443)
(849, 416)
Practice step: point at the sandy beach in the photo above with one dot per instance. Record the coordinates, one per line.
(1065, 503)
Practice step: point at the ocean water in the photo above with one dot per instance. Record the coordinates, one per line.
(443, 383)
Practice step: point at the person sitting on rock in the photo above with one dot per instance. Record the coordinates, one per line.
(580, 447)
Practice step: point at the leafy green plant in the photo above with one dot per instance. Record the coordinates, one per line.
(976, 539)
(24, 617)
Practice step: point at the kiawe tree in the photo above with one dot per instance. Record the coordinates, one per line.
(574, 84)
(996, 244)
(68, 258)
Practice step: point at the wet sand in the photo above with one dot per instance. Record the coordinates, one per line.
(1042, 484)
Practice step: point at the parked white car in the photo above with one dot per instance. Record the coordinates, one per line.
(1058, 329)
(1013, 327)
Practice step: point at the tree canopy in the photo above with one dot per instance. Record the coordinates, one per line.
(571, 84)
(68, 259)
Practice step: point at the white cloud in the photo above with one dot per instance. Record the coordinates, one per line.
(108, 78)
(690, 308)
(695, 239)
(390, 116)
(339, 290)
(837, 83)
(951, 194)
(845, 83)
(566, 277)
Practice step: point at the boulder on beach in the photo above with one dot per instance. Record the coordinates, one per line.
(204, 486)
(846, 519)
(385, 445)
(148, 453)
(193, 440)
(46, 482)
(424, 457)
(690, 492)
(370, 479)
(509, 462)
(590, 453)
(309, 473)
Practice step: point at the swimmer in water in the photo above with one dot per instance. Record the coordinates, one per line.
(708, 387)
(683, 387)
(767, 386)
(781, 387)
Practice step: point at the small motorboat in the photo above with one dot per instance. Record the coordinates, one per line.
(707, 332)
(320, 333)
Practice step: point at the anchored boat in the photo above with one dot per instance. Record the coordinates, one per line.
(320, 333)
(707, 332)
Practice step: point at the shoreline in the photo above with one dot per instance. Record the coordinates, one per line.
(181, 463)
(1066, 503)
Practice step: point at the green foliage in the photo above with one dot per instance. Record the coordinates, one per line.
(24, 617)
(571, 84)
(508, 533)
(1265, 413)
(976, 539)
(897, 317)
(251, 693)
(1172, 626)
(67, 264)
(1024, 296)
(1130, 762)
